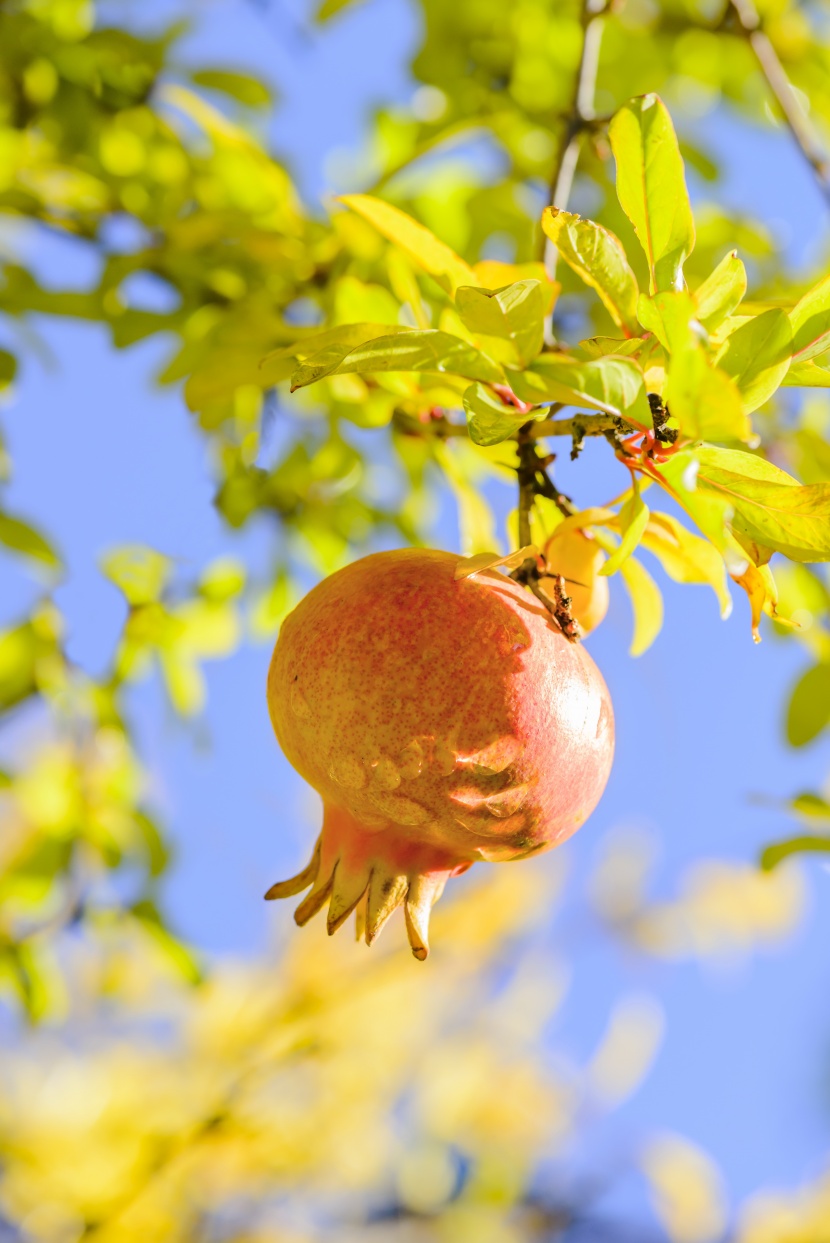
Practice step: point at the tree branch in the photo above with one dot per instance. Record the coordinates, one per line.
(579, 117)
(781, 88)
(578, 425)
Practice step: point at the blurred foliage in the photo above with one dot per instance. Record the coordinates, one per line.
(165, 1098)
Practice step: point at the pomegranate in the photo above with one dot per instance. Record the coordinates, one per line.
(443, 720)
(577, 556)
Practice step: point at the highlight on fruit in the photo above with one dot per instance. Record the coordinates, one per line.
(444, 719)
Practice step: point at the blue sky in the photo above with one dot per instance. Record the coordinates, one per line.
(102, 458)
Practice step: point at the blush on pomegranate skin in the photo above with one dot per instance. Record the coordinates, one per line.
(442, 720)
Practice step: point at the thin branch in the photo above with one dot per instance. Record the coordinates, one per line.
(578, 425)
(580, 116)
(782, 90)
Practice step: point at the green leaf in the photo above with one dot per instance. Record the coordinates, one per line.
(21, 537)
(808, 712)
(413, 350)
(721, 292)
(646, 602)
(8, 369)
(771, 508)
(704, 400)
(279, 364)
(601, 347)
(139, 572)
(633, 521)
(757, 356)
(671, 317)
(515, 313)
(613, 384)
(711, 512)
(489, 420)
(686, 557)
(422, 246)
(239, 86)
(651, 188)
(810, 319)
(805, 843)
(598, 258)
(806, 375)
(812, 806)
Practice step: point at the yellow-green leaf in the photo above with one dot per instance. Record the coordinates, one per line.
(808, 712)
(651, 187)
(632, 521)
(413, 350)
(721, 292)
(422, 246)
(22, 538)
(515, 314)
(671, 317)
(613, 384)
(139, 572)
(810, 319)
(806, 375)
(686, 557)
(711, 512)
(489, 420)
(646, 603)
(757, 356)
(771, 507)
(598, 258)
(703, 399)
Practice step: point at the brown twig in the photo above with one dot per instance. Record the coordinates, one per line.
(580, 116)
(578, 426)
(534, 481)
(781, 88)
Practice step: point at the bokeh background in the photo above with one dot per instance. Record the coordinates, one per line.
(627, 1040)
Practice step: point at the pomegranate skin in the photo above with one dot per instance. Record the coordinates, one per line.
(443, 720)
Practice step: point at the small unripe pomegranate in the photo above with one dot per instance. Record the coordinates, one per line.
(443, 720)
(578, 558)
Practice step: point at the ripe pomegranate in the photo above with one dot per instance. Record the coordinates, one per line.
(443, 720)
(577, 556)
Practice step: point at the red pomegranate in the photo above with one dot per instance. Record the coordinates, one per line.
(443, 720)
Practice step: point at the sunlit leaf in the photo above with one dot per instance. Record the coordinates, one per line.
(651, 187)
(516, 314)
(413, 350)
(721, 292)
(23, 538)
(495, 274)
(804, 843)
(612, 384)
(600, 347)
(704, 400)
(422, 246)
(806, 375)
(489, 419)
(711, 511)
(670, 315)
(686, 557)
(239, 86)
(808, 712)
(757, 356)
(810, 320)
(140, 573)
(598, 258)
(770, 506)
(646, 604)
(633, 520)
